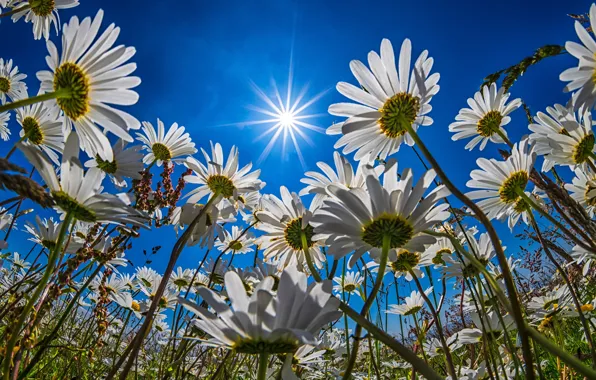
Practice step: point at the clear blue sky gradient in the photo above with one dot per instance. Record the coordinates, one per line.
(197, 58)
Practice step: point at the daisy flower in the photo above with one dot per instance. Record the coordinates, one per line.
(245, 204)
(145, 276)
(45, 232)
(94, 74)
(307, 357)
(235, 243)
(11, 82)
(173, 146)
(574, 145)
(557, 120)
(442, 247)
(350, 283)
(125, 301)
(181, 279)
(405, 262)
(484, 252)
(19, 264)
(42, 14)
(580, 78)
(581, 256)
(550, 300)
(4, 130)
(284, 222)
(126, 163)
(413, 304)
(266, 322)
(357, 221)
(486, 117)
(342, 175)
(221, 177)
(389, 99)
(499, 182)
(522, 209)
(80, 193)
(583, 189)
(208, 228)
(42, 127)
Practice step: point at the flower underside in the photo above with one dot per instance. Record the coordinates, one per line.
(583, 150)
(413, 310)
(516, 181)
(252, 346)
(406, 261)
(71, 205)
(221, 184)
(161, 152)
(49, 244)
(293, 234)
(349, 287)
(396, 227)
(32, 130)
(398, 113)
(71, 77)
(236, 246)
(109, 167)
(4, 84)
(438, 259)
(42, 8)
(180, 282)
(489, 124)
(589, 195)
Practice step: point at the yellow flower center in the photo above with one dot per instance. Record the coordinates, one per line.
(583, 150)
(70, 76)
(42, 8)
(236, 246)
(293, 234)
(406, 260)
(349, 287)
(396, 227)
(221, 184)
(109, 167)
(161, 152)
(587, 307)
(398, 112)
(4, 84)
(32, 130)
(510, 187)
(135, 306)
(489, 124)
(69, 204)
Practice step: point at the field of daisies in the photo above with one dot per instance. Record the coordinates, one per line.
(318, 270)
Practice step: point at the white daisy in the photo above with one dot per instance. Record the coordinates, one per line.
(19, 264)
(412, 304)
(522, 209)
(306, 358)
(390, 99)
(405, 262)
(559, 120)
(42, 13)
(486, 117)
(357, 221)
(284, 221)
(208, 228)
(181, 279)
(45, 232)
(235, 243)
(442, 247)
(266, 322)
(146, 276)
(350, 283)
(126, 301)
(484, 252)
(501, 181)
(580, 78)
(173, 146)
(342, 175)
(42, 127)
(93, 74)
(126, 163)
(4, 130)
(221, 177)
(583, 189)
(11, 82)
(80, 193)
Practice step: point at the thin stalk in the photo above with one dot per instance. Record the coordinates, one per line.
(433, 311)
(137, 342)
(496, 241)
(61, 93)
(574, 297)
(16, 328)
(15, 10)
(368, 303)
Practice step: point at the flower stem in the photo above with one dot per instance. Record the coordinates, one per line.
(61, 93)
(14, 147)
(367, 304)
(570, 234)
(263, 363)
(137, 342)
(16, 328)
(504, 137)
(15, 10)
(433, 311)
(496, 242)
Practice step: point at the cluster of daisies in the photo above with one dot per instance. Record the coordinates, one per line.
(373, 248)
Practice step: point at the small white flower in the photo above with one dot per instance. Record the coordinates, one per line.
(412, 304)
(11, 82)
(126, 163)
(42, 14)
(173, 146)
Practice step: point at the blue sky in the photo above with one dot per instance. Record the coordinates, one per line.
(197, 58)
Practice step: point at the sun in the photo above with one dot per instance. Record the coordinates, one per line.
(286, 116)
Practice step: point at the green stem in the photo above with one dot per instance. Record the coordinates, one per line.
(496, 242)
(504, 137)
(16, 10)
(61, 93)
(263, 364)
(16, 328)
(570, 234)
(14, 147)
